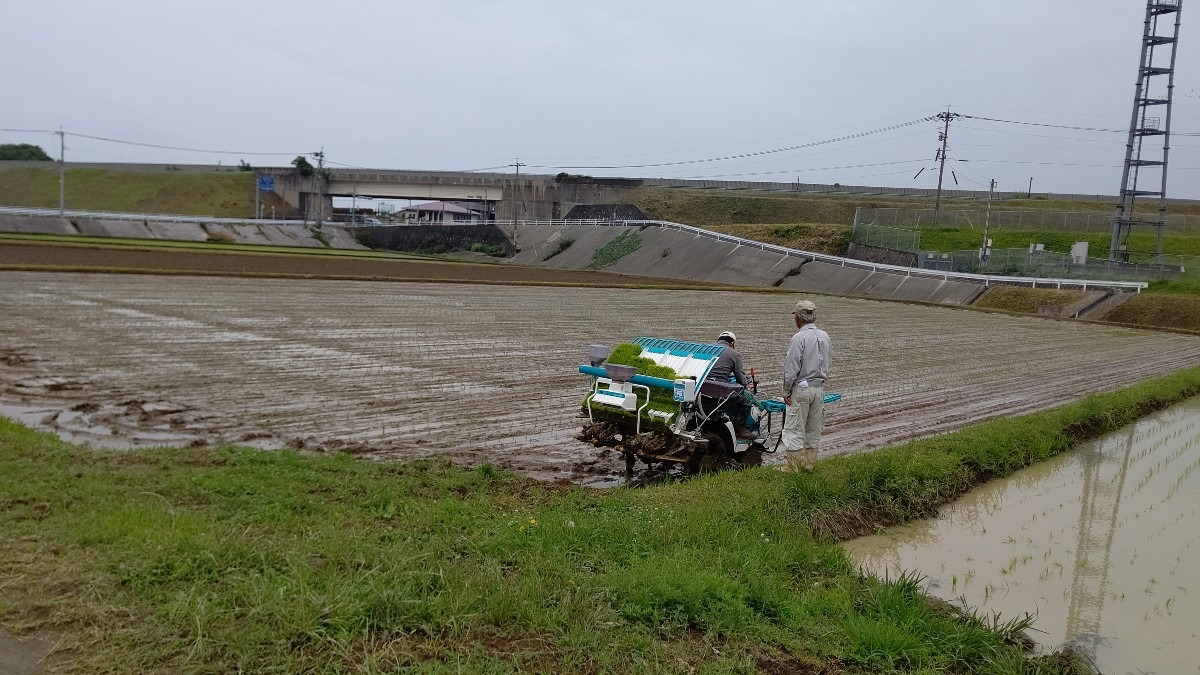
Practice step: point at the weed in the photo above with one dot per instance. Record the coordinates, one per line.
(494, 250)
(563, 244)
(625, 243)
(319, 235)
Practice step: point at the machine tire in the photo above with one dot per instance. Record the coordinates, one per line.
(751, 458)
(715, 457)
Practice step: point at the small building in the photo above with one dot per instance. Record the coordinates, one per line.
(439, 213)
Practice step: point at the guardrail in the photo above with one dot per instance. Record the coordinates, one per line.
(985, 279)
(157, 217)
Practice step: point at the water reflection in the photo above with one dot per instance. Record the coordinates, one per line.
(1100, 545)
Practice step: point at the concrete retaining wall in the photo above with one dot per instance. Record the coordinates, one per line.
(249, 233)
(434, 237)
(673, 254)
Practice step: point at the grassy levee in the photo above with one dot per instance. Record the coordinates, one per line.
(709, 208)
(1060, 241)
(223, 194)
(214, 560)
(1154, 310)
(1025, 300)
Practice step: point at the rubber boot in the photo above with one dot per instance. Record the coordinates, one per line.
(795, 460)
(809, 459)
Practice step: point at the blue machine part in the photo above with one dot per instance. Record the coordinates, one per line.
(687, 359)
(644, 380)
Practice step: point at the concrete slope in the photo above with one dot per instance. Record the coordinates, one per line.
(1096, 312)
(264, 233)
(676, 254)
(1082, 305)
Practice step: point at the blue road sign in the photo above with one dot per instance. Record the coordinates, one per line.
(266, 183)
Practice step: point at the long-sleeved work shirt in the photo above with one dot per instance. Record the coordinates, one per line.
(809, 357)
(728, 363)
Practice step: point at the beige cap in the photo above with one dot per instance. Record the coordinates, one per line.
(804, 306)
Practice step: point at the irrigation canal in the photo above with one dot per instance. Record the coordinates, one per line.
(1102, 545)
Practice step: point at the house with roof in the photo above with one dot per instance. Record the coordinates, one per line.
(439, 213)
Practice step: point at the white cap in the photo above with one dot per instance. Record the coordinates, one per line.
(727, 334)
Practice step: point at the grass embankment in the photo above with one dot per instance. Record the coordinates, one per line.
(710, 208)
(1026, 300)
(1165, 304)
(955, 239)
(223, 194)
(232, 559)
(815, 237)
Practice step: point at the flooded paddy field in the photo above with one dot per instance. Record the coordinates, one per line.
(1101, 544)
(487, 373)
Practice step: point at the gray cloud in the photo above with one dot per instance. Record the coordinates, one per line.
(468, 84)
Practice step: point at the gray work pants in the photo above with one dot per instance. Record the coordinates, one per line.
(802, 429)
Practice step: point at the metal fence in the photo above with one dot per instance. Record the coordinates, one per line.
(892, 238)
(1069, 221)
(1023, 262)
(946, 275)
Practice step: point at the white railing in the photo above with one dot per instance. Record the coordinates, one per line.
(156, 217)
(985, 279)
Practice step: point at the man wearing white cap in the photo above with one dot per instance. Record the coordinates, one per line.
(805, 369)
(729, 367)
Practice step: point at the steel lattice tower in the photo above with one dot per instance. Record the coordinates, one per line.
(1158, 48)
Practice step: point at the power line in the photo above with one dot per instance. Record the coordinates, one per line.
(824, 152)
(747, 154)
(119, 141)
(1065, 126)
(726, 145)
(791, 171)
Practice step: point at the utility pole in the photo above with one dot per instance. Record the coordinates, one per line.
(517, 165)
(62, 172)
(987, 223)
(944, 137)
(320, 155)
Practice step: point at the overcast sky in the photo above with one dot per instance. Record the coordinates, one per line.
(474, 84)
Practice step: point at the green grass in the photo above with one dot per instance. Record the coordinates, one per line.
(231, 559)
(1166, 310)
(1186, 286)
(815, 237)
(625, 243)
(1027, 300)
(953, 239)
(222, 194)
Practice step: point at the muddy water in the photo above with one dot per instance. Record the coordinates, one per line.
(1102, 545)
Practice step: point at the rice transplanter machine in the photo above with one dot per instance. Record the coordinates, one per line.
(652, 401)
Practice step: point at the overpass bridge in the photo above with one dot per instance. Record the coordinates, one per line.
(527, 197)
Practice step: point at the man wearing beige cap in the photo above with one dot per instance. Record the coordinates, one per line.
(805, 369)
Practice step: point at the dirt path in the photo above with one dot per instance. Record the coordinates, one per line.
(487, 373)
(24, 656)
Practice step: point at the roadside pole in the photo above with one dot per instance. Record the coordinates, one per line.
(263, 184)
(987, 223)
(62, 172)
